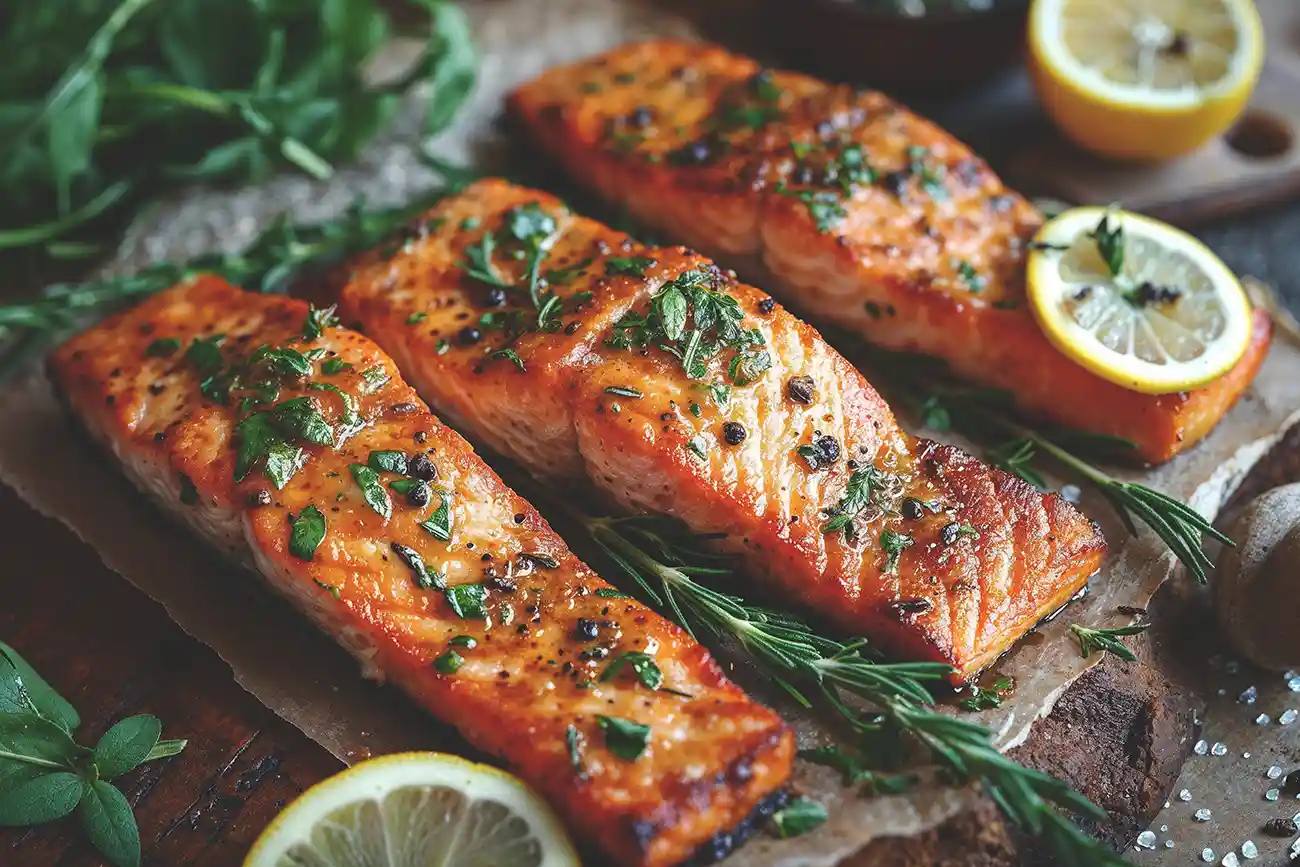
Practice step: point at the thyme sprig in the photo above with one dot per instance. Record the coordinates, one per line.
(281, 252)
(665, 561)
(986, 415)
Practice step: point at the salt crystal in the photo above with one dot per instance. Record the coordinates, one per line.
(1169, 844)
(1201, 748)
(1164, 828)
(1249, 696)
(1146, 840)
(1207, 855)
(1184, 795)
(1250, 850)
(1246, 755)
(1271, 795)
(1071, 493)
(1273, 772)
(1262, 720)
(1203, 814)
(1290, 673)
(1296, 818)
(1293, 683)
(1220, 691)
(1219, 750)
(1294, 851)
(1230, 860)
(1288, 716)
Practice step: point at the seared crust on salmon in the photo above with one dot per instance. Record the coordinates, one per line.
(295, 447)
(676, 390)
(856, 211)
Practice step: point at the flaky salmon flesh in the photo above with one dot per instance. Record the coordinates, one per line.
(651, 375)
(855, 211)
(295, 447)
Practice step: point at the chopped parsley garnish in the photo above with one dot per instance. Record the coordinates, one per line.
(425, 578)
(387, 461)
(798, 817)
(974, 280)
(824, 207)
(416, 317)
(557, 276)
(696, 445)
(626, 740)
(261, 440)
(1110, 243)
(438, 524)
(642, 665)
(574, 742)
(281, 362)
(628, 266)
(696, 410)
(351, 419)
(306, 533)
(374, 378)
(986, 698)
(611, 593)
(331, 366)
(300, 418)
(328, 588)
(467, 600)
(374, 493)
(467, 641)
(893, 544)
(317, 321)
(695, 322)
(449, 662)
(204, 355)
(623, 391)
(865, 488)
(162, 347)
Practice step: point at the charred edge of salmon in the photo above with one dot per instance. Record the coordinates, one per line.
(724, 843)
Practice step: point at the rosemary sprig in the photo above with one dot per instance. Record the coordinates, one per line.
(1106, 640)
(664, 561)
(280, 253)
(986, 414)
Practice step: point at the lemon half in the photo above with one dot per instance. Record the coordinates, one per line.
(1144, 79)
(412, 810)
(1136, 301)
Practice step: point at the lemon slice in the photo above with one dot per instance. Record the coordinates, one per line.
(1144, 79)
(1137, 301)
(412, 810)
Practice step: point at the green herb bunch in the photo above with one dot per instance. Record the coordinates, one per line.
(46, 775)
(105, 104)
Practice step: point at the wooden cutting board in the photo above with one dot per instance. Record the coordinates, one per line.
(1256, 163)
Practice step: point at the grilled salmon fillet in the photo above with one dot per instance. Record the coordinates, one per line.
(676, 390)
(295, 447)
(857, 212)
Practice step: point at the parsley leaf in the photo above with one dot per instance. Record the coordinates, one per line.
(626, 740)
(374, 493)
(467, 600)
(628, 266)
(438, 524)
(306, 533)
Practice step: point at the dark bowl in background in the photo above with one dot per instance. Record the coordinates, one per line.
(940, 52)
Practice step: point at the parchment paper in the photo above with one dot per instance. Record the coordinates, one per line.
(301, 676)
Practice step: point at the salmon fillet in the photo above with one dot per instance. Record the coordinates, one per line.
(674, 389)
(269, 438)
(856, 211)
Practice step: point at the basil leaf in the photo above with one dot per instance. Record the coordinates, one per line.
(306, 533)
(285, 362)
(282, 461)
(126, 745)
(625, 739)
(672, 306)
(438, 524)
(204, 355)
(334, 365)
(387, 462)
(301, 419)
(375, 494)
(40, 797)
(799, 817)
(106, 817)
(467, 600)
(40, 694)
(643, 665)
(425, 578)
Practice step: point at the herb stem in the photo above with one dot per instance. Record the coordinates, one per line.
(33, 760)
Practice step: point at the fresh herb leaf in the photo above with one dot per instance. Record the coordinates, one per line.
(624, 391)
(893, 544)
(1110, 242)
(328, 588)
(387, 461)
(467, 600)
(698, 445)
(974, 280)
(467, 641)
(574, 742)
(259, 439)
(611, 593)
(628, 266)
(163, 347)
(438, 524)
(331, 366)
(105, 815)
(301, 419)
(511, 356)
(374, 378)
(318, 319)
(1106, 640)
(869, 490)
(642, 665)
(33, 798)
(22, 690)
(799, 817)
(126, 745)
(425, 578)
(986, 698)
(416, 317)
(855, 771)
(306, 533)
(204, 355)
(371, 489)
(448, 662)
(626, 740)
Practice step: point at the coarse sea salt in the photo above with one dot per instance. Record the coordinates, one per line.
(1185, 795)
(1201, 748)
(1249, 850)
(1287, 717)
(1203, 814)
(1219, 750)
(1207, 855)
(1230, 860)
(1146, 840)
(1273, 772)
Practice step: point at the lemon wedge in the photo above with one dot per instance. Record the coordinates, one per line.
(414, 809)
(1144, 79)
(1136, 301)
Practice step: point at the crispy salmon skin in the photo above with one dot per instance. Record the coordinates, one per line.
(856, 211)
(674, 389)
(296, 447)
